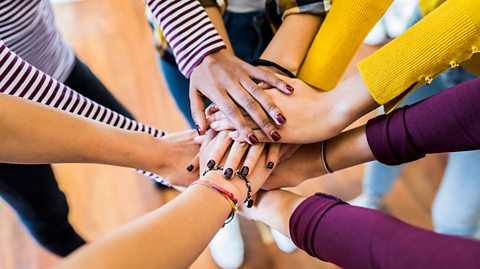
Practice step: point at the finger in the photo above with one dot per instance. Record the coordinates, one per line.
(233, 113)
(265, 101)
(252, 158)
(235, 156)
(273, 155)
(221, 146)
(255, 111)
(215, 117)
(225, 124)
(259, 134)
(212, 108)
(194, 164)
(270, 79)
(197, 105)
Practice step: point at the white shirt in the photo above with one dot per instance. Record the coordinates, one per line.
(243, 6)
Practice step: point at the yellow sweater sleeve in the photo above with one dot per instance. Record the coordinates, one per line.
(343, 31)
(445, 38)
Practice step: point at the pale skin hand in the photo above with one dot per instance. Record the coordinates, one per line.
(69, 138)
(198, 212)
(314, 116)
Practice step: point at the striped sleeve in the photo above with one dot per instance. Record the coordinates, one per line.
(188, 30)
(19, 78)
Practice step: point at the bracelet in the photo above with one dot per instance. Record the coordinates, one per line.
(213, 169)
(249, 200)
(228, 196)
(324, 159)
(263, 62)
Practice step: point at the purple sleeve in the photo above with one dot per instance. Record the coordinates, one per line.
(188, 30)
(19, 78)
(354, 237)
(446, 122)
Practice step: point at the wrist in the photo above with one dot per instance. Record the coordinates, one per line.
(234, 185)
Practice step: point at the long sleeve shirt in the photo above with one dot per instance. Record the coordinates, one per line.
(354, 237)
(446, 122)
(19, 78)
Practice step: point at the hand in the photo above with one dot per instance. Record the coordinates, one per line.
(313, 116)
(257, 175)
(178, 152)
(303, 164)
(228, 81)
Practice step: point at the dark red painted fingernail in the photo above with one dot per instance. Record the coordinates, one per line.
(198, 128)
(252, 138)
(190, 168)
(270, 165)
(280, 118)
(228, 173)
(244, 171)
(289, 88)
(211, 164)
(275, 136)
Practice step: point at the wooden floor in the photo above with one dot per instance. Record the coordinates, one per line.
(113, 37)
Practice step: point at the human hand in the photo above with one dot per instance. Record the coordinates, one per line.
(180, 170)
(228, 81)
(257, 175)
(313, 116)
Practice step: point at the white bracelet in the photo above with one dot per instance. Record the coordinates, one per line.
(324, 161)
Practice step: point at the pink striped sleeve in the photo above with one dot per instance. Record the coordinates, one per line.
(189, 31)
(19, 78)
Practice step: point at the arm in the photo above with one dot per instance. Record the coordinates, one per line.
(163, 238)
(353, 237)
(215, 73)
(18, 78)
(446, 122)
(61, 137)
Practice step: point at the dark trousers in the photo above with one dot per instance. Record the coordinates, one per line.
(32, 190)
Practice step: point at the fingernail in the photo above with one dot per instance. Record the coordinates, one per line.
(280, 118)
(211, 164)
(289, 88)
(275, 136)
(190, 168)
(215, 124)
(270, 165)
(198, 128)
(234, 135)
(244, 171)
(252, 138)
(228, 173)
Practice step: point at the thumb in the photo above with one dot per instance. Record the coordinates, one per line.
(197, 105)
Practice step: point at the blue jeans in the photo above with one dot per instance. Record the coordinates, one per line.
(249, 34)
(456, 208)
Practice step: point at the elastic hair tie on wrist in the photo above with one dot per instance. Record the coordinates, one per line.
(263, 62)
(324, 159)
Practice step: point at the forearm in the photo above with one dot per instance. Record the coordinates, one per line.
(61, 137)
(170, 237)
(446, 122)
(327, 228)
(292, 40)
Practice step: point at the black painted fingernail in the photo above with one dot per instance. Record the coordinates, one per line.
(252, 138)
(275, 136)
(270, 165)
(244, 171)
(228, 173)
(198, 128)
(211, 164)
(289, 88)
(280, 118)
(190, 168)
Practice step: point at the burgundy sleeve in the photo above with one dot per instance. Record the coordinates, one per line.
(354, 237)
(446, 122)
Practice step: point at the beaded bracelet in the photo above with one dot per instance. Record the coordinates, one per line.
(249, 200)
(228, 196)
